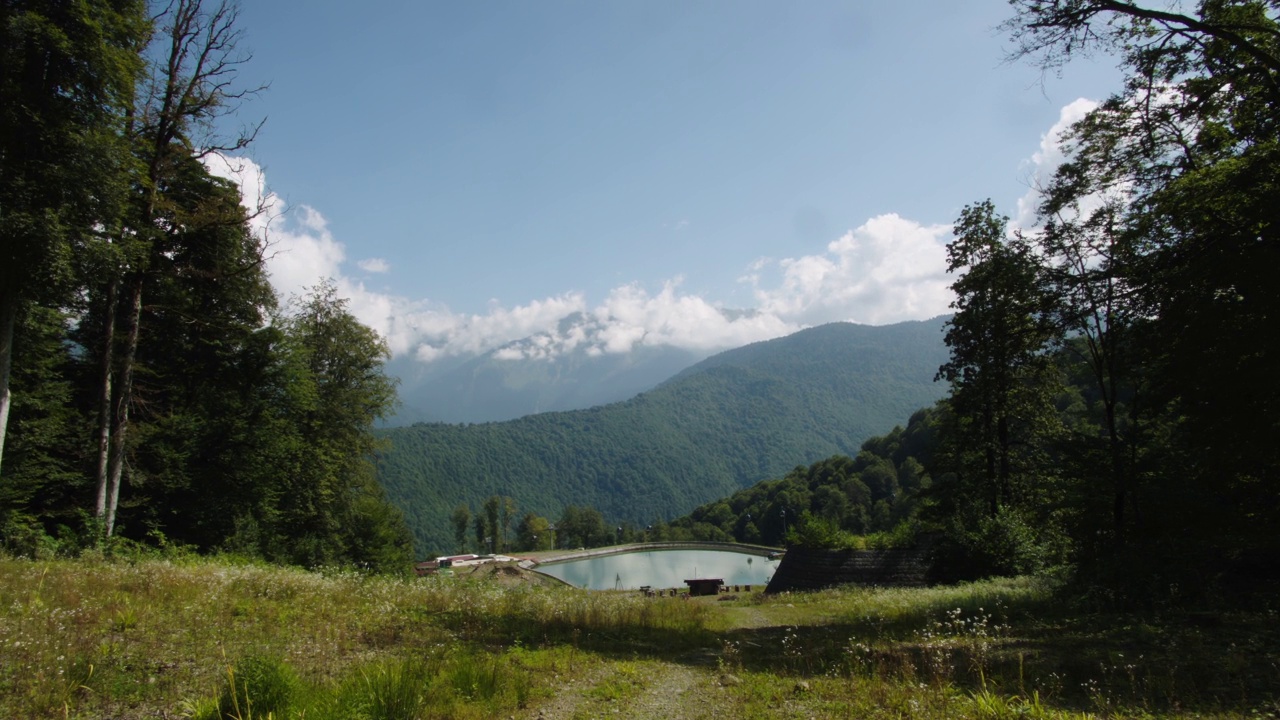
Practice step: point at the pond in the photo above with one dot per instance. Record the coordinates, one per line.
(663, 569)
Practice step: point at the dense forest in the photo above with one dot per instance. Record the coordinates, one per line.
(734, 419)
(1113, 371)
(152, 388)
(871, 498)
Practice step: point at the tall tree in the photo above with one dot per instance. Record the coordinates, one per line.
(206, 381)
(338, 390)
(461, 518)
(67, 72)
(999, 370)
(492, 510)
(193, 61)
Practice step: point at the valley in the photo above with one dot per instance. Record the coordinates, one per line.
(725, 423)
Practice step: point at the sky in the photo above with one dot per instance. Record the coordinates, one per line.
(699, 173)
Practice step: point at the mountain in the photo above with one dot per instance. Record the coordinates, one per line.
(533, 375)
(721, 425)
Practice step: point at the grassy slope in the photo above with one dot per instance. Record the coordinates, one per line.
(157, 638)
(732, 420)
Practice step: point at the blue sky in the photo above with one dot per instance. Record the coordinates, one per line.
(473, 173)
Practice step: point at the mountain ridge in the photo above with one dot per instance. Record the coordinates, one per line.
(733, 419)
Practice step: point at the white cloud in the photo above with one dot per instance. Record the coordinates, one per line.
(374, 265)
(300, 249)
(887, 270)
(882, 272)
(1044, 161)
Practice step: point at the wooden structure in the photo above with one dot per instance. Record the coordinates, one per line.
(704, 586)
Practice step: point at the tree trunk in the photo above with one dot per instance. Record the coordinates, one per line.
(8, 318)
(104, 402)
(123, 399)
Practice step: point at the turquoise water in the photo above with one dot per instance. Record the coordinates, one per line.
(663, 569)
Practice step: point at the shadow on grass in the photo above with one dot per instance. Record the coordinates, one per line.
(1009, 644)
(1098, 663)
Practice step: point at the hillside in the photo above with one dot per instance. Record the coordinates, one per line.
(730, 421)
(504, 384)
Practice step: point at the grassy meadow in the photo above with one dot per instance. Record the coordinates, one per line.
(171, 638)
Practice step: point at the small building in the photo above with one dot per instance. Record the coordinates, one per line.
(704, 586)
(429, 567)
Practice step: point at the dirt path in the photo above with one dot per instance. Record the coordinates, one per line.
(671, 691)
(668, 690)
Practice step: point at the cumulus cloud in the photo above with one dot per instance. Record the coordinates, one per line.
(1045, 160)
(374, 265)
(299, 247)
(887, 270)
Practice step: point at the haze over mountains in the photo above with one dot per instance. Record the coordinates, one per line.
(722, 424)
(570, 368)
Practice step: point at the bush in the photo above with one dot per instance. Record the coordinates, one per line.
(1000, 545)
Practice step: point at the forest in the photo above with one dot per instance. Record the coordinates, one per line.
(153, 388)
(1113, 386)
(737, 418)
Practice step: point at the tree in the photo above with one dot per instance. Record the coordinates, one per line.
(482, 533)
(533, 532)
(492, 510)
(461, 518)
(67, 73)
(1169, 198)
(338, 391)
(999, 368)
(1092, 261)
(194, 58)
(508, 511)
(206, 378)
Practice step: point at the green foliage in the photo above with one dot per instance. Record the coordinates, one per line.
(817, 532)
(257, 687)
(999, 368)
(146, 335)
(831, 503)
(1112, 405)
(733, 420)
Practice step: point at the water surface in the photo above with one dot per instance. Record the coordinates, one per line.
(663, 569)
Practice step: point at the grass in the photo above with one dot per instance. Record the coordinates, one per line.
(212, 639)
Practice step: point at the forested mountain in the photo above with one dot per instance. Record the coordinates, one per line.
(873, 492)
(734, 419)
(508, 383)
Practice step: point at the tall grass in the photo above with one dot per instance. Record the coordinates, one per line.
(214, 640)
(95, 636)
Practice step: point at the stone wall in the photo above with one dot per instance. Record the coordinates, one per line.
(810, 569)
